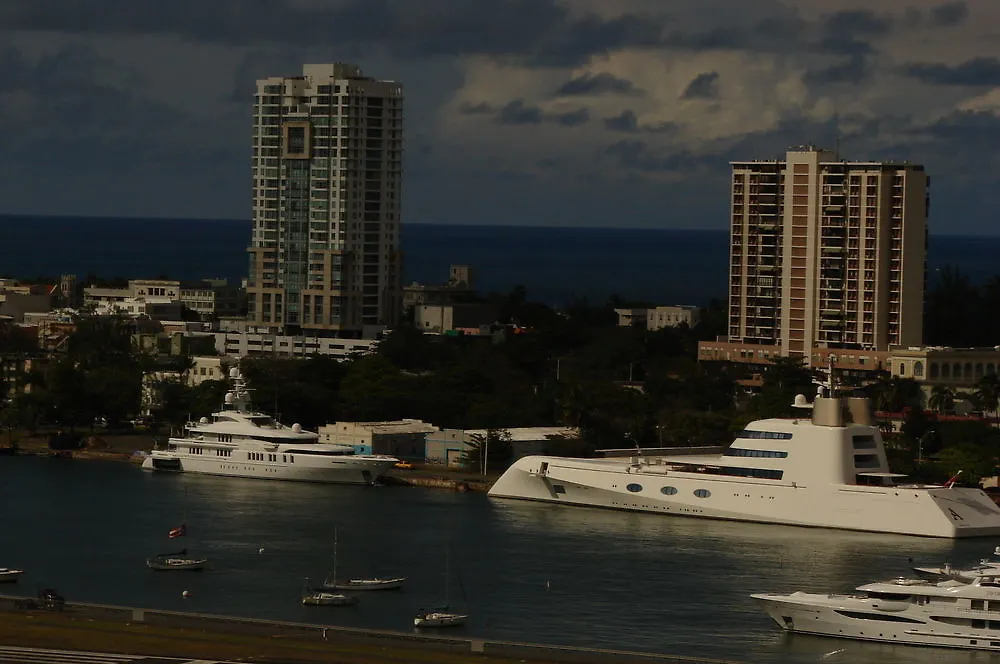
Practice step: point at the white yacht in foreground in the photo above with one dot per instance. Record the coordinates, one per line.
(239, 442)
(950, 614)
(825, 470)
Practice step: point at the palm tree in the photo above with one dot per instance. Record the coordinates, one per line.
(988, 392)
(942, 399)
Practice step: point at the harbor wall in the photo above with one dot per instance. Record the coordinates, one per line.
(374, 637)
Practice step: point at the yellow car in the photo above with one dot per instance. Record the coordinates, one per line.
(404, 465)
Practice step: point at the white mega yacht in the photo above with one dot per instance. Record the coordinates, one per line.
(239, 442)
(825, 470)
(950, 614)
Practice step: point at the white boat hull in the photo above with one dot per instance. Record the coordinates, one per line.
(333, 470)
(367, 584)
(929, 512)
(328, 599)
(799, 614)
(440, 619)
(8, 575)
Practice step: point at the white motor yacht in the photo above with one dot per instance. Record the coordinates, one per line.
(10, 575)
(985, 568)
(827, 468)
(240, 442)
(951, 614)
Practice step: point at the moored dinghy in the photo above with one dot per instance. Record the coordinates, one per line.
(9, 575)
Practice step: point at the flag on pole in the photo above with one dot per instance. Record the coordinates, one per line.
(179, 531)
(951, 482)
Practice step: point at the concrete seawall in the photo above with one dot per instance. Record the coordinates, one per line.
(387, 639)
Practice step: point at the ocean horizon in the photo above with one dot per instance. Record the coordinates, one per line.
(556, 264)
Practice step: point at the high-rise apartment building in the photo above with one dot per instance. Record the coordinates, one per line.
(327, 183)
(826, 254)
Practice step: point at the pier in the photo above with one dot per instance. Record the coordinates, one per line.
(95, 627)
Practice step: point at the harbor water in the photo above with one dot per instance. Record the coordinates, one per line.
(523, 571)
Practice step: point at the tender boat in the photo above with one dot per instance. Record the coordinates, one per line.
(366, 584)
(985, 568)
(827, 468)
(949, 614)
(9, 575)
(439, 618)
(179, 561)
(240, 442)
(324, 598)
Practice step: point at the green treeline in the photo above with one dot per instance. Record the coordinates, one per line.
(572, 367)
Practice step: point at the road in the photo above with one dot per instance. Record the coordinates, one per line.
(46, 656)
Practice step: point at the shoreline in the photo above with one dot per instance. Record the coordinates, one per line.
(155, 633)
(418, 476)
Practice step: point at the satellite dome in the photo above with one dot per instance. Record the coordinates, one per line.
(800, 401)
(229, 398)
(203, 420)
(297, 428)
(234, 372)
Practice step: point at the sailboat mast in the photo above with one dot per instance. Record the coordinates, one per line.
(334, 556)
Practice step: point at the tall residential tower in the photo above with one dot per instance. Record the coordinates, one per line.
(825, 254)
(327, 177)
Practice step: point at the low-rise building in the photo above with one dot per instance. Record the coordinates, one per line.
(448, 446)
(213, 297)
(657, 318)
(257, 344)
(465, 318)
(157, 298)
(403, 439)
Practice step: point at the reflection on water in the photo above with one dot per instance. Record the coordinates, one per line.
(525, 571)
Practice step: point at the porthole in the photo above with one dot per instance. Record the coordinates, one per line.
(634, 488)
(668, 491)
(702, 493)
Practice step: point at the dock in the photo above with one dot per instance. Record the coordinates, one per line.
(155, 632)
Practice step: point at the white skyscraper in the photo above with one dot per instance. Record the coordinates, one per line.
(327, 181)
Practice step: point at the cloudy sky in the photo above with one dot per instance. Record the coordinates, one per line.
(619, 113)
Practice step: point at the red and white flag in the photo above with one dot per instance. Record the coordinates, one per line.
(951, 482)
(179, 531)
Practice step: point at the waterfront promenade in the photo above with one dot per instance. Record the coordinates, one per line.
(99, 627)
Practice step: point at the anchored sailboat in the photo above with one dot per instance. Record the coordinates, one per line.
(177, 560)
(360, 583)
(442, 617)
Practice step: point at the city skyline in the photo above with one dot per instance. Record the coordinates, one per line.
(523, 111)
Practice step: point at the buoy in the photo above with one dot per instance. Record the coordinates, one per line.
(186, 593)
(260, 550)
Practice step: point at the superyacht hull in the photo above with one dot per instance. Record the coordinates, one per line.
(848, 621)
(614, 484)
(347, 471)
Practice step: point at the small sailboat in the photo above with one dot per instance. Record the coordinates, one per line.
(359, 583)
(322, 597)
(177, 560)
(441, 616)
(9, 575)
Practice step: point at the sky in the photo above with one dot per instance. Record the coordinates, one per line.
(534, 112)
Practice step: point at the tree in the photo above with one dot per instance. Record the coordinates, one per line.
(942, 399)
(988, 392)
(484, 452)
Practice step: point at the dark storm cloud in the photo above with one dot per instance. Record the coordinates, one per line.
(597, 84)
(853, 70)
(540, 32)
(703, 86)
(517, 112)
(482, 108)
(638, 156)
(848, 32)
(627, 122)
(975, 72)
(949, 14)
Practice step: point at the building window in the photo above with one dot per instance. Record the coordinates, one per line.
(918, 369)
